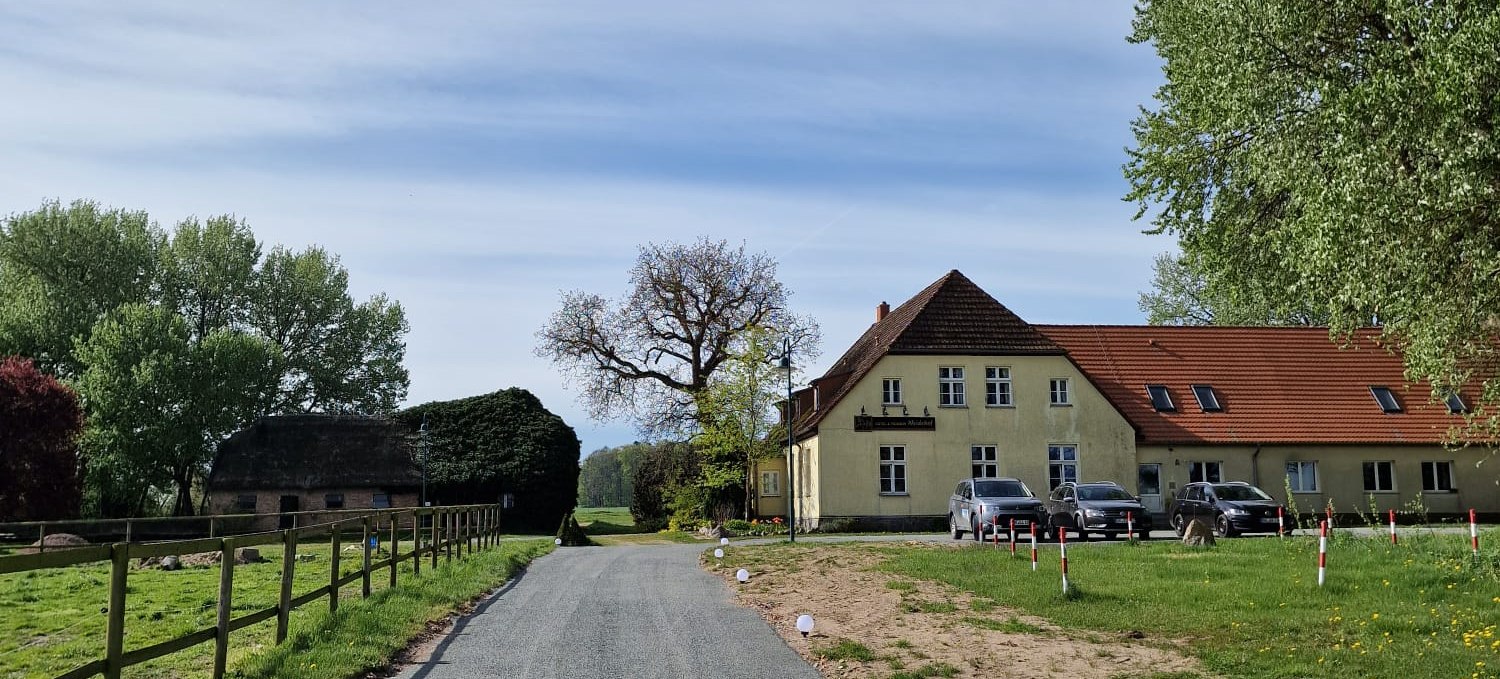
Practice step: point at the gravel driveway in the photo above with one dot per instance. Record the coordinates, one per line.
(620, 611)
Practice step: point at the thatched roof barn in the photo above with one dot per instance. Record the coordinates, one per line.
(294, 463)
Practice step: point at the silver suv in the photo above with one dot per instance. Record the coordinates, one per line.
(978, 506)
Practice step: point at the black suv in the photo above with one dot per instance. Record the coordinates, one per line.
(1231, 508)
(1096, 507)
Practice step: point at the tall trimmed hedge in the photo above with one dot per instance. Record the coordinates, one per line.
(505, 442)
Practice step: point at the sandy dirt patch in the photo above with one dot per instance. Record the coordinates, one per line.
(926, 628)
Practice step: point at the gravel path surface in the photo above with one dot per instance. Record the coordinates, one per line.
(620, 611)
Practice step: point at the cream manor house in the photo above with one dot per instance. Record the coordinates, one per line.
(952, 384)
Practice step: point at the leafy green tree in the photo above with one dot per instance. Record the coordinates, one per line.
(604, 479)
(1183, 294)
(1340, 150)
(63, 268)
(232, 335)
(482, 447)
(664, 477)
(160, 400)
(739, 418)
(40, 421)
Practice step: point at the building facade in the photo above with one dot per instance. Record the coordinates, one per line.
(952, 384)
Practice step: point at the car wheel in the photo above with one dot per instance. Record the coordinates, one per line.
(1179, 524)
(953, 528)
(1222, 529)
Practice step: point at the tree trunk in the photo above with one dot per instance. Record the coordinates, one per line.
(184, 504)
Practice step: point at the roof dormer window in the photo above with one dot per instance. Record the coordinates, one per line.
(1386, 399)
(1207, 399)
(1456, 403)
(1160, 399)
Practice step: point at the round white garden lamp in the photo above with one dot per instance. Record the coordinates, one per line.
(718, 553)
(804, 624)
(557, 542)
(723, 541)
(742, 575)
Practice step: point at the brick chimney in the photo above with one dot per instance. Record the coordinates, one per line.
(881, 311)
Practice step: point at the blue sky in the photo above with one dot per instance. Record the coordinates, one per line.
(473, 159)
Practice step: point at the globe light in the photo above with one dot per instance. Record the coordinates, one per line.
(804, 624)
(723, 541)
(557, 542)
(742, 575)
(718, 553)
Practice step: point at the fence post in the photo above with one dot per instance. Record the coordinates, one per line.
(365, 571)
(41, 538)
(213, 527)
(448, 535)
(395, 550)
(416, 542)
(130, 524)
(333, 563)
(288, 571)
(226, 593)
(114, 640)
(434, 517)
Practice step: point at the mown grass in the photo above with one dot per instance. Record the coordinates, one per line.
(54, 620)
(1252, 607)
(605, 520)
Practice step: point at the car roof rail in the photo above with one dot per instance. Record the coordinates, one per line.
(1105, 483)
(1236, 483)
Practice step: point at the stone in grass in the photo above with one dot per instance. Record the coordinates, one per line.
(571, 534)
(1198, 534)
(170, 563)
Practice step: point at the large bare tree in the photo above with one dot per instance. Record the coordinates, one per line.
(649, 355)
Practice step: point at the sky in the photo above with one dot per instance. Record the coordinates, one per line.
(474, 159)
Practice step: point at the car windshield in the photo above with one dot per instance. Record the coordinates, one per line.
(1000, 489)
(1103, 493)
(1238, 492)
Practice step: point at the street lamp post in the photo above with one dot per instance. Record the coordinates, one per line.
(791, 470)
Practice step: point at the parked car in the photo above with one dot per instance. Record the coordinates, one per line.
(1101, 507)
(1230, 508)
(977, 505)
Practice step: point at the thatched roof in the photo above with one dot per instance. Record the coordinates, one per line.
(316, 451)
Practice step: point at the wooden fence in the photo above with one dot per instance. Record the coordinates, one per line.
(459, 529)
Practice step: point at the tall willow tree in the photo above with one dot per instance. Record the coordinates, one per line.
(1341, 151)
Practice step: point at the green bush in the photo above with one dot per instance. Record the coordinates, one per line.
(572, 534)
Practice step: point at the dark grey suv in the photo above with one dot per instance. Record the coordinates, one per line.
(1230, 508)
(1102, 507)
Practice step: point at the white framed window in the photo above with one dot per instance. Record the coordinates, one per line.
(1437, 476)
(1058, 391)
(770, 484)
(951, 386)
(984, 462)
(1302, 476)
(997, 387)
(893, 470)
(1207, 472)
(1062, 464)
(890, 391)
(1380, 476)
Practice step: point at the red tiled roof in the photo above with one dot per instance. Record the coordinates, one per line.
(952, 316)
(1276, 385)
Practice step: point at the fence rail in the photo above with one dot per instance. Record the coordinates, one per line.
(452, 529)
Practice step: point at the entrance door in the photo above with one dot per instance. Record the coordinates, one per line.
(1148, 481)
(289, 503)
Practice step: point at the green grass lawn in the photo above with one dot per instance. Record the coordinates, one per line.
(605, 520)
(54, 621)
(1252, 607)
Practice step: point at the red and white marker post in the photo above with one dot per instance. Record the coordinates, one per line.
(995, 528)
(1329, 512)
(1473, 534)
(1012, 538)
(1130, 526)
(1393, 526)
(1062, 548)
(1280, 523)
(1033, 546)
(1322, 553)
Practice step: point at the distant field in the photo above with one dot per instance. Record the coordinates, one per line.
(605, 520)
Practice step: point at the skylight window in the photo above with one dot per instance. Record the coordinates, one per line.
(1456, 403)
(1386, 399)
(1160, 399)
(1207, 399)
